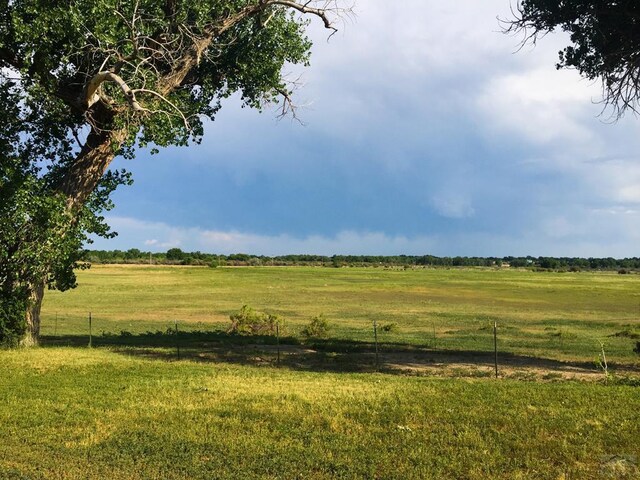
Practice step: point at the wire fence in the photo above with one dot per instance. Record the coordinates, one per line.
(487, 343)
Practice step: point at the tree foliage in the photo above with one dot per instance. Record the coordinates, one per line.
(605, 42)
(82, 81)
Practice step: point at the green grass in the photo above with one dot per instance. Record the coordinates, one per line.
(133, 409)
(560, 316)
(95, 414)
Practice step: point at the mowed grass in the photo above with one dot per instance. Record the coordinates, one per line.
(78, 413)
(561, 316)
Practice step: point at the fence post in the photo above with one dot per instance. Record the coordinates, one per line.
(278, 341)
(177, 341)
(55, 328)
(495, 346)
(433, 327)
(375, 339)
(90, 335)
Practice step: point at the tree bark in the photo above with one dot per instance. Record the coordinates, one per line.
(93, 159)
(82, 179)
(32, 335)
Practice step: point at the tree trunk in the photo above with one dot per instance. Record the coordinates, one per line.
(82, 178)
(92, 161)
(32, 335)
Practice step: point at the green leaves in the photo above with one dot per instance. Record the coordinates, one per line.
(605, 42)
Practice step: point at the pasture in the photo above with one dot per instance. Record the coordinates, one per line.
(146, 403)
(544, 316)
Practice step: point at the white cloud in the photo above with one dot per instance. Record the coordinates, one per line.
(616, 180)
(420, 36)
(581, 232)
(542, 106)
(133, 231)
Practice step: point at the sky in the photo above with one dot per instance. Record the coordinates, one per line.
(425, 131)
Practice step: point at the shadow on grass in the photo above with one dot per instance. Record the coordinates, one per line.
(330, 355)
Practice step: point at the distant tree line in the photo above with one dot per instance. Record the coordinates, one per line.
(175, 256)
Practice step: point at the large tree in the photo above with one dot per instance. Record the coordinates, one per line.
(83, 81)
(605, 42)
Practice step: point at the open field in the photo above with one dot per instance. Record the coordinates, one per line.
(204, 404)
(545, 316)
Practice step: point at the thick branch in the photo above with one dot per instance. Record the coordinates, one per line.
(192, 57)
(95, 156)
(91, 95)
(90, 165)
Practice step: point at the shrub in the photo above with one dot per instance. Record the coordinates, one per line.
(248, 321)
(318, 327)
(389, 327)
(12, 321)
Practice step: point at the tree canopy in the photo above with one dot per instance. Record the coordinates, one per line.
(605, 42)
(82, 81)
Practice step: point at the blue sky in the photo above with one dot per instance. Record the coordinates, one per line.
(424, 133)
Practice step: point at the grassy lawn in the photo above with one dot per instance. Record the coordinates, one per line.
(204, 404)
(71, 413)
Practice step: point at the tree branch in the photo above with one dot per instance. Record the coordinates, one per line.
(91, 95)
(305, 9)
(167, 101)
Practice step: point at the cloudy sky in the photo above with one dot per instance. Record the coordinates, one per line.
(424, 133)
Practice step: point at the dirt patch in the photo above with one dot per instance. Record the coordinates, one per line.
(460, 366)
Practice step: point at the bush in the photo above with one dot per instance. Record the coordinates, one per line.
(250, 322)
(318, 327)
(389, 327)
(12, 321)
